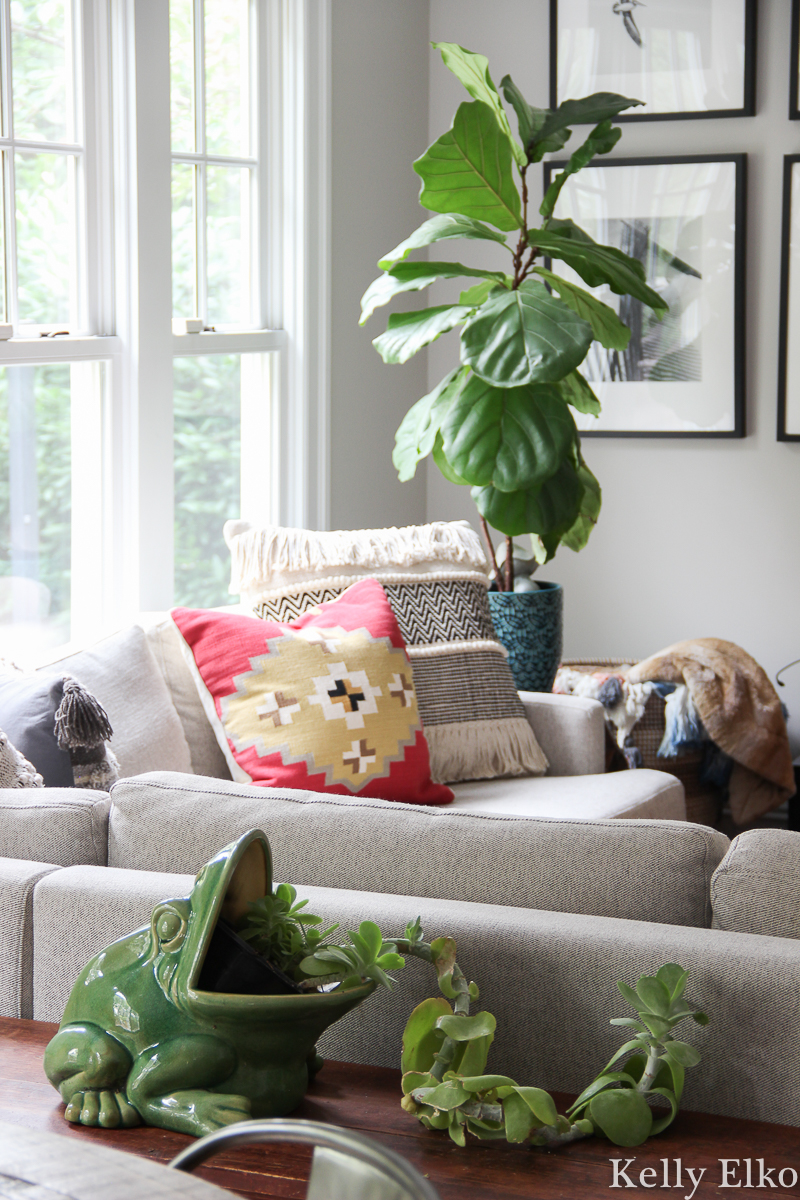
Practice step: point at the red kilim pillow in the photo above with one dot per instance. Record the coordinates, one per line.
(325, 702)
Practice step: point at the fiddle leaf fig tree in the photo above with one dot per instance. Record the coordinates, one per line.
(502, 423)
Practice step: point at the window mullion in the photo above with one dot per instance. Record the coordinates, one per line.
(200, 174)
(9, 206)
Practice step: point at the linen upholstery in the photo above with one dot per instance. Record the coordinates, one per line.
(124, 676)
(570, 731)
(756, 887)
(88, 910)
(56, 825)
(621, 794)
(552, 1016)
(642, 869)
(18, 879)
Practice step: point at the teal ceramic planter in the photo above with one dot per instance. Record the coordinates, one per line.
(530, 626)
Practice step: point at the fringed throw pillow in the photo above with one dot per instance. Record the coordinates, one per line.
(15, 770)
(436, 583)
(324, 702)
(60, 728)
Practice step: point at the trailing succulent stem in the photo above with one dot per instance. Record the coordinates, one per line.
(502, 422)
(445, 1052)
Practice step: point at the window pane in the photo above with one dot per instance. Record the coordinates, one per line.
(227, 82)
(46, 224)
(181, 56)
(42, 87)
(228, 249)
(184, 241)
(35, 508)
(207, 408)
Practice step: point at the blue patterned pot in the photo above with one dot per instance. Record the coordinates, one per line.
(530, 626)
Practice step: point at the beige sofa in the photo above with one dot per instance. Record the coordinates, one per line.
(547, 915)
(142, 679)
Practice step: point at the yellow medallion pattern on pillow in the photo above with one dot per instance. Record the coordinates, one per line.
(347, 694)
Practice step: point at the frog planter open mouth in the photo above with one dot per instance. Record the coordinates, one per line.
(140, 1041)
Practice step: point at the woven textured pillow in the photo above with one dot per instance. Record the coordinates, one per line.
(473, 717)
(15, 770)
(324, 702)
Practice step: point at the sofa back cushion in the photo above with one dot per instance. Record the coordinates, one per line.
(123, 674)
(756, 887)
(65, 826)
(640, 869)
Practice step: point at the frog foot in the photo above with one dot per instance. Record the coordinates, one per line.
(100, 1106)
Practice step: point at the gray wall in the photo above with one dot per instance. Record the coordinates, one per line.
(696, 538)
(379, 83)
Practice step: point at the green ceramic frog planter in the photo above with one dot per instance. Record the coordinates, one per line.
(141, 1040)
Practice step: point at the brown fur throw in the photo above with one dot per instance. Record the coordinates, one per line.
(741, 712)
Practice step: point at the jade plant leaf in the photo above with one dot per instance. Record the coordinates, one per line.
(483, 1083)
(598, 264)
(461, 1028)
(600, 1084)
(540, 1103)
(445, 1096)
(415, 437)
(473, 71)
(682, 1053)
(417, 1079)
(661, 1123)
(421, 1039)
(468, 170)
(470, 1057)
(519, 1119)
(512, 438)
(674, 979)
(624, 1116)
(627, 992)
(440, 229)
(606, 325)
(524, 336)
(550, 509)
(653, 995)
(413, 277)
(407, 333)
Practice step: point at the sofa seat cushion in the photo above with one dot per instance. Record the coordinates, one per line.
(756, 887)
(652, 794)
(18, 880)
(642, 869)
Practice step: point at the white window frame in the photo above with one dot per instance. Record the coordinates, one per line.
(126, 58)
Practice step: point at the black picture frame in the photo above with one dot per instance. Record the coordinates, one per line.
(794, 63)
(738, 429)
(749, 79)
(785, 431)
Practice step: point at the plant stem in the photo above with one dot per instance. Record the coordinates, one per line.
(509, 564)
(650, 1070)
(461, 1004)
(492, 556)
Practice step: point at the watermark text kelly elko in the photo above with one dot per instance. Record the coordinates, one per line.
(733, 1173)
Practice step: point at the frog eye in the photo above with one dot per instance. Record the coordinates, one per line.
(170, 928)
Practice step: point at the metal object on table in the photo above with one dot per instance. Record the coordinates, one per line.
(346, 1164)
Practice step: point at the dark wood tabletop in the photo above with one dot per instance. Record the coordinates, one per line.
(367, 1099)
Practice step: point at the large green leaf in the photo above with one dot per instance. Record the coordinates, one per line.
(663, 1122)
(446, 1096)
(674, 979)
(576, 391)
(590, 110)
(512, 438)
(461, 1028)
(540, 1103)
(653, 995)
(473, 71)
(578, 534)
(440, 229)
(599, 1085)
(413, 277)
(406, 333)
(519, 1118)
(438, 456)
(470, 1057)
(601, 140)
(421, 1039)
(549, 509)
(529, 119)
(624, 1116)
(606, 325)
(524, 336)
(682, 1053)
(468, 170)
(415, 437)
(598, 264)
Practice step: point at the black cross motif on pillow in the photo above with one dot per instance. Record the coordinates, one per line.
(342, 691)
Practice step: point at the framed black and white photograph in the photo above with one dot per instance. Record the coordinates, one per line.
(683, 219)
(794, 64)
(789, 336)
(682, 58)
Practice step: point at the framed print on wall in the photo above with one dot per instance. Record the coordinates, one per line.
(789, 326)
(794, 69)
(683, 58)
(683, 219)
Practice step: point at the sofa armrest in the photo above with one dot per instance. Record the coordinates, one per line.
(570, 730)
(64, 826)
(18, 879)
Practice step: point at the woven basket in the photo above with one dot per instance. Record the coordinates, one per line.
(703, 800)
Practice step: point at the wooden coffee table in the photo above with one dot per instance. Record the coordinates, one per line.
(367, 1099)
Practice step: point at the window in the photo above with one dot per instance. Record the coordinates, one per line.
(159, 164)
